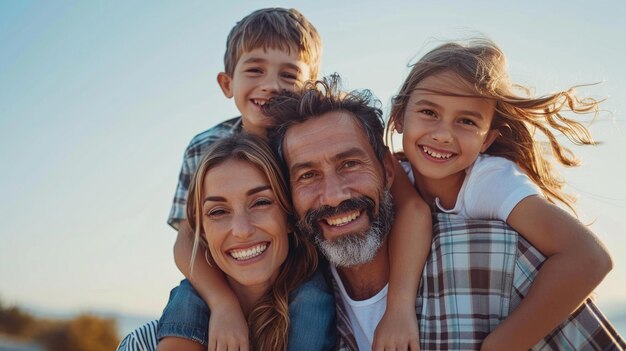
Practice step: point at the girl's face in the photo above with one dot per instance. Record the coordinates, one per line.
(443, 134)
(245, 227)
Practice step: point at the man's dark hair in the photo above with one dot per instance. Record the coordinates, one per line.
(320, 97)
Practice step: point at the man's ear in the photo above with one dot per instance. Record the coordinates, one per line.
(491, 137)
(389, 163)
(225, 82)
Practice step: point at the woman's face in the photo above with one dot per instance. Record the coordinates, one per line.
(245, 227)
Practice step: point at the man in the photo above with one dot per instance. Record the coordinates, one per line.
(331, 145)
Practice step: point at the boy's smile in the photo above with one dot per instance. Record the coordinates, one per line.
(259, 75)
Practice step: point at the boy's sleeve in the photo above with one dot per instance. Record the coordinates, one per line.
(192, 157)
(177, 212)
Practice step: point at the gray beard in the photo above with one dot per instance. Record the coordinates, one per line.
(358, 248)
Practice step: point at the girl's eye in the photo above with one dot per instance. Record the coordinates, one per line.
(467, 121)
(428, 113)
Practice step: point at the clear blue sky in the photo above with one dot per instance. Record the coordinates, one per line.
(99, 99)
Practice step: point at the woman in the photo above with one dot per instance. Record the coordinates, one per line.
(241, 213)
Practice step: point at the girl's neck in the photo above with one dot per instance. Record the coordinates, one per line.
(446, 189)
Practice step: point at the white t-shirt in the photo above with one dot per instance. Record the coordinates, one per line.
(365, 314)
(492, 187)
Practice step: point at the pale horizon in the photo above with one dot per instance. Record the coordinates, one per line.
(99, 100)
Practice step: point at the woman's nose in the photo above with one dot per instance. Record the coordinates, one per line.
(242, 226)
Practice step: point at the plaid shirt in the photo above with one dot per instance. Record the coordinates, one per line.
(476, 274)
(193, 155)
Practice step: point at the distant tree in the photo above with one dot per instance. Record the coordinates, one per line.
(14, 321)
(83, 333)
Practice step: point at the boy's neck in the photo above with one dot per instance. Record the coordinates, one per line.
(258, 131)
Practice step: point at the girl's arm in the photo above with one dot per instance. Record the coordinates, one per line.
(409, 245)
(228, 328)
(576, 262)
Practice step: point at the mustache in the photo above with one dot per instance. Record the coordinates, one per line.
(309, 222)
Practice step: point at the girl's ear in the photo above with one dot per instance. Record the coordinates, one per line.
(399, 125)
(225, 82)
(492, 134)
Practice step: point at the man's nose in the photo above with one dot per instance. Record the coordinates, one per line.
(242, 227)
(334, 191)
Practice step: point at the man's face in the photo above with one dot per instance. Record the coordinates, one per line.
(338, 187)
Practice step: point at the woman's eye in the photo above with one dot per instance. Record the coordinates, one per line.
(216, 212)
(262, 202)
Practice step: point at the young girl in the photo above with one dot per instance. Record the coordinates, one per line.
(470, 140)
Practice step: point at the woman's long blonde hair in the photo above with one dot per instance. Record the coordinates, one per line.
(517, 115)
(269, 319)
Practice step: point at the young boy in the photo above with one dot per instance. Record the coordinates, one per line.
(268, 51)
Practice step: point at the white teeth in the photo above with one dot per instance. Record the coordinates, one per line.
(436, 154)
(248, 253)
(343, 220)
(259, 102)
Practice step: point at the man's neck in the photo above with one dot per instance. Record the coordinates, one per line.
(366, 280)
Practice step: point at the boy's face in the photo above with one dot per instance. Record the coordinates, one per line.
(258, 76)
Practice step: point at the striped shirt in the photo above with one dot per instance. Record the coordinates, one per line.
(476, 274)
(141, 339)
(193, 155)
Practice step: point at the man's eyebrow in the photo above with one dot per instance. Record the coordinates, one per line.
(252, 191)
(426, 102)
(352, 152)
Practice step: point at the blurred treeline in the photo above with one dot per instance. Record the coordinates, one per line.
(83, 333)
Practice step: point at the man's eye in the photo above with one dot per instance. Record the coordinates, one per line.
(350, 164)
(306, 175)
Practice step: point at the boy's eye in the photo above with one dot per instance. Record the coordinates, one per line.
(254, 70)
(290, 76)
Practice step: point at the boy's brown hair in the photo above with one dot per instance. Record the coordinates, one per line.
(274, 28)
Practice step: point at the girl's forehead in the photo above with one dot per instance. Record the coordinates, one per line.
(447, 82)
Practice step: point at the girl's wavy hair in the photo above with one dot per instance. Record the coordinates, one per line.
(269, 319)
(518, 116)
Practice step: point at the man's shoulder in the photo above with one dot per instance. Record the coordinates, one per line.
(209, 136)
